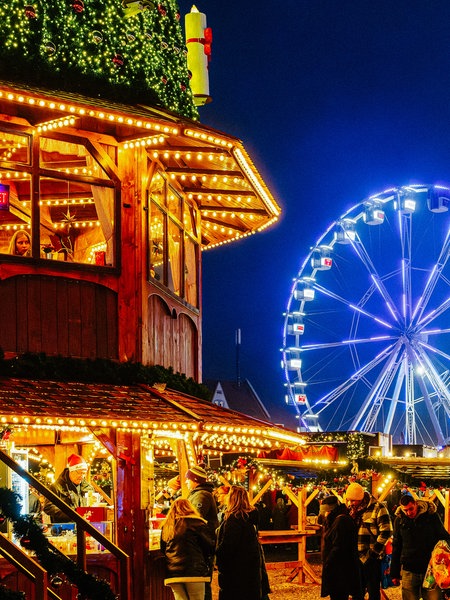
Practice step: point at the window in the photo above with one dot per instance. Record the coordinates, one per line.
(75, 200)
(173, 240)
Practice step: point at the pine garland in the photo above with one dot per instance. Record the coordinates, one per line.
(60, 368)
(51, 559)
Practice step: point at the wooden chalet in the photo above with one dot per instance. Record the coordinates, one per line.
(144, 434)
(119, 202)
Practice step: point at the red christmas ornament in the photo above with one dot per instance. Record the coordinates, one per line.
(164, 79)
(177, 16)
(162, 10)
(25, 542)
(118, 60)
(78, 6)
(183, 86)
(2, 519)
(30, 11)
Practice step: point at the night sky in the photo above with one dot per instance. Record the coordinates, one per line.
(334, 100)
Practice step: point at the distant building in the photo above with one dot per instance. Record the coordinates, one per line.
(241, 397)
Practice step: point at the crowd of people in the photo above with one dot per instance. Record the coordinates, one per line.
(217, 527)
(358, 534)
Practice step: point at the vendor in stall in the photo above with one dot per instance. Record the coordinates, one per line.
(72, 487)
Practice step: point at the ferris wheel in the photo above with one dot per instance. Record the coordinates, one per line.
(366, 335)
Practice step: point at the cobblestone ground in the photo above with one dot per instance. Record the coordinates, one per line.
(285, 589)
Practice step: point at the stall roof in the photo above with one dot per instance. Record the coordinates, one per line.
(212, 168)
(39, 403)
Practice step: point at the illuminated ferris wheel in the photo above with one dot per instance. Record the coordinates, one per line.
(366, 336)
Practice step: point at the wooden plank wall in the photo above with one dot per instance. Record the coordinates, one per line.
(56, 315)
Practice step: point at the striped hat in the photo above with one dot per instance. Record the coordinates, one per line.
(197, 474)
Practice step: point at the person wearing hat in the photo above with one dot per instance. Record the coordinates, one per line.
(72, 487)
(202, 499)
(340, 562)
(374, 531)
(417, 529)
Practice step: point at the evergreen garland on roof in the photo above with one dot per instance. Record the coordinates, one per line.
(61, 368)
(132, 51)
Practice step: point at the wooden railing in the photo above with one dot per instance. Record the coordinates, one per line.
(30, 568)
(83, 527)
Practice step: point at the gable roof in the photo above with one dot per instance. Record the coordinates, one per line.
(240, 396)
(138, 407)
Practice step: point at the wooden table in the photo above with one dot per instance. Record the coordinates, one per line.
(301, 567)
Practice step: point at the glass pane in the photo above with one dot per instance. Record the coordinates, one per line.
(189, 220)
(175, 238)
(69, 158)
(15, 213)
(191, 272)
(156, 259)
(158, 190)
(175, 204)
(14, 147)
(76, 222)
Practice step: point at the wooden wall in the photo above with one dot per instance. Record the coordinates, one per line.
(57, 315)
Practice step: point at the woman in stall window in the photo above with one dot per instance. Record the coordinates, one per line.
(20, 244)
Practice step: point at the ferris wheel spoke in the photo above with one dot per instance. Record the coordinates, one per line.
(326, 345)
(433, 279)
(405, 225)
(437, 312)
(372, 402)
(359, 375)
(417, 368)
(434, 378)
(363, 255)
(350, 305)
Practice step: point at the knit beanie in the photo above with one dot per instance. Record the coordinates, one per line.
(196, 474)
(328, 503)
(76, 462)
(174, 484)
(354, 492)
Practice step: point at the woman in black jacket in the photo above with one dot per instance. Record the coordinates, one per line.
(239, 556)
(340, 561)
(187, 545)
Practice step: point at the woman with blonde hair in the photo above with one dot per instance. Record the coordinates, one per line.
(20, 244)
(239, 556)
(187, 545)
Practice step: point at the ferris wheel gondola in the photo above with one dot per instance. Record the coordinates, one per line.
(366, 336)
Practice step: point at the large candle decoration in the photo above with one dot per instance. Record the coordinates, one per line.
(198, 43)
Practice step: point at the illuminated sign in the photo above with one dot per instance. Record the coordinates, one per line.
(4, 197)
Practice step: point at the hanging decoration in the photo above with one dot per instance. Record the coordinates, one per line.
(78, 6)
(52, 560)
(30, 11)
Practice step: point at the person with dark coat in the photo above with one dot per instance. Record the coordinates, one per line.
(72, 487)
(374, 531)
(239, 556)
(187, 545)
(417, 529)
(340, 561)
(280, 515)
(202, 499)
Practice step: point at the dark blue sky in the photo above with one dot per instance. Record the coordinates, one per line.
(334, 100)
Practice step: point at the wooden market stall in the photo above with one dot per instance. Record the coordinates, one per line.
(146, 435)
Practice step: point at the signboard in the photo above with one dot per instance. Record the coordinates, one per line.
(4, 196)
